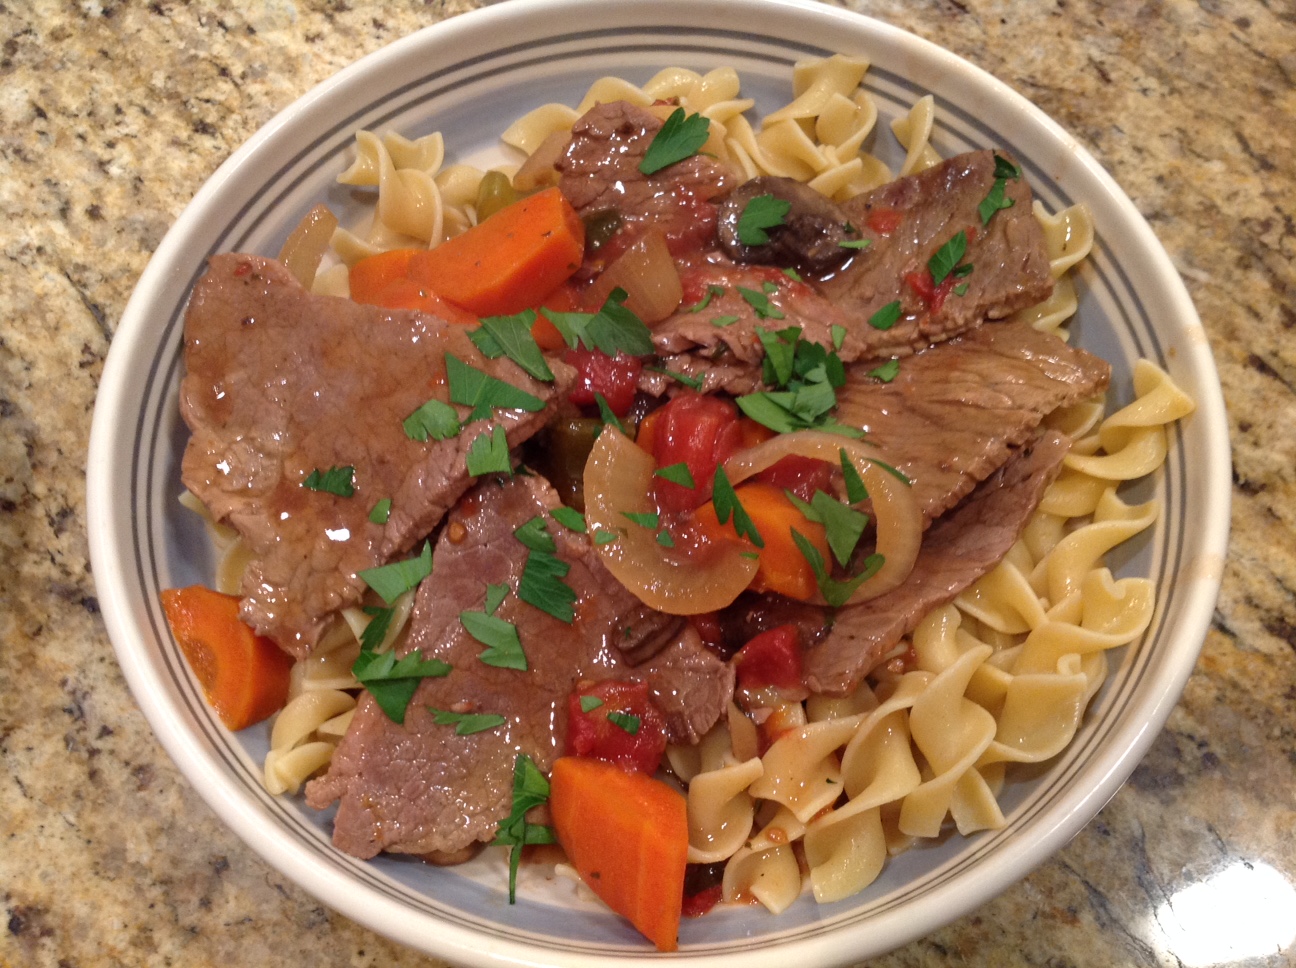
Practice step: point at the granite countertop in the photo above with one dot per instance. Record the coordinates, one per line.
(111, 116)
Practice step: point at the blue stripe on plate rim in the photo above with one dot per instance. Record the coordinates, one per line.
(722, 46)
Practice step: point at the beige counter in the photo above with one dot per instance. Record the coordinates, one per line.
(111, 117)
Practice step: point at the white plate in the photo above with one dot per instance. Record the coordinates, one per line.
(470, 77)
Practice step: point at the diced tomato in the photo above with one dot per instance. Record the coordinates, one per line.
(884, 221)
(696, 905)
(701, 432)
(934, 296)
(592, 734)
(616, 378)
(772, 658)
(800, 475)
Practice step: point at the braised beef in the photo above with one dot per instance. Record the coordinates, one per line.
(420, 787)
(809, 236)
(280, 383)
(600, 174)
(954, 413)
(957, 550)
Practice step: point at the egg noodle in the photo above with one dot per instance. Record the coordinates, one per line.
(1001, 675)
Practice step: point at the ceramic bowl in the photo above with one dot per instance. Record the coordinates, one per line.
(469, 77)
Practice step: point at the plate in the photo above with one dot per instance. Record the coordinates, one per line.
(469, 77)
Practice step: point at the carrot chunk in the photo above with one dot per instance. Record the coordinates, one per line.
(509, 262)
(243, 675)
(627, 836)
(370, 276)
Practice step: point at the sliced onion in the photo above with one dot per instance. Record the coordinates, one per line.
(898, 517)
(306, 244)
(539, 170)
(618, 478)
(647, 272)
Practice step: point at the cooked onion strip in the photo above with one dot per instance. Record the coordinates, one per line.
(899, 520)
(306, 244)
(648, 274)
(618, 479)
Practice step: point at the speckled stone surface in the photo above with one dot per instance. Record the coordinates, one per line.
(111, 117)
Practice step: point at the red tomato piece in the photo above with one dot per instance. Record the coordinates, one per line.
(696, 905)
(924, 285)
(772, 658)
(616, 378)
(634, 738)
(800, 475)
(701, 432)
(884, 221)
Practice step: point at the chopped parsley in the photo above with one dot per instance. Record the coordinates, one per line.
(434, 419)
(961, 289)
(887, 372)
(381, 511)
(809, 375)
(530, 789)
(503, 647)
(760, 214)
(839, 334)
(855, 243)
(542, 582)
(624, 721)
(495, 595)
(759, 301)
(681, 136)
(997, 200)
(727, 505)
(466, 724)
(511, 336)
(489, 453)
(665, 539)
(393, 580)
(855, 489)
(590, 703)
(719, 322)
(835, 592)
(375, 630)
(336, 480)
(645, 519)
(569, 518)
(391, 681)
(887, 316)
(692, 382)
(602, 536)
(613, 329)
(712, 292)
(473, 388)
(943, 262)
(676, 474)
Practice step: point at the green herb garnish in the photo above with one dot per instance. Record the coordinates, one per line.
(466, 724)
(511, 336)
(335, 480)
(676, 474)
(542, 582)
(947, 257)
(624, 721)
(503, 647)
(569, 518)
(759, 301)
(760, 214)
(530, 789)
(887, 316)
(393, 682)
(393, 580)
(473, 388)
(612, 330)
(381, 511)
(680, 137)
(727, 504)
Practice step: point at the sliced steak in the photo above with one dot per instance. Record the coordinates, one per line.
(599, 173)
(420, 787)
(956, 411)
(922, 213)
(956, 551)
(280, 383)
(919, 214)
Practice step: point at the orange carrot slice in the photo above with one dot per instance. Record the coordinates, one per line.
(243, 675)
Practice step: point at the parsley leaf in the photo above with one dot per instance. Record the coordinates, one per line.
(887, 316)
(473, 388)
(680, 137)
(645, 519)
(961, 289)
(625, 721)
(780, 353)
(433, 419)
(606, 413)
(942, 263)
(602, 536)
(503, 647)
(727, 504)
(712, 292)
(542, 582)
(835, 592)
(569, 518)
(759, 301)
(489, 454)
(466, 724)
(381, 511)
(511, 337)
(678, 474)
(375, 629)
(590, 703)
(692, 382)
(495, 595)
(855, 489)
(393, 682)
(613, 329)
(887, 372)
(530, 789)
(760, 214)
(839, 334)
(665, 539)
(393, 580)
(1005, 169)
(855, 244)
(719, 322)
(843, 525)
(335, 480)
(994, 201)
